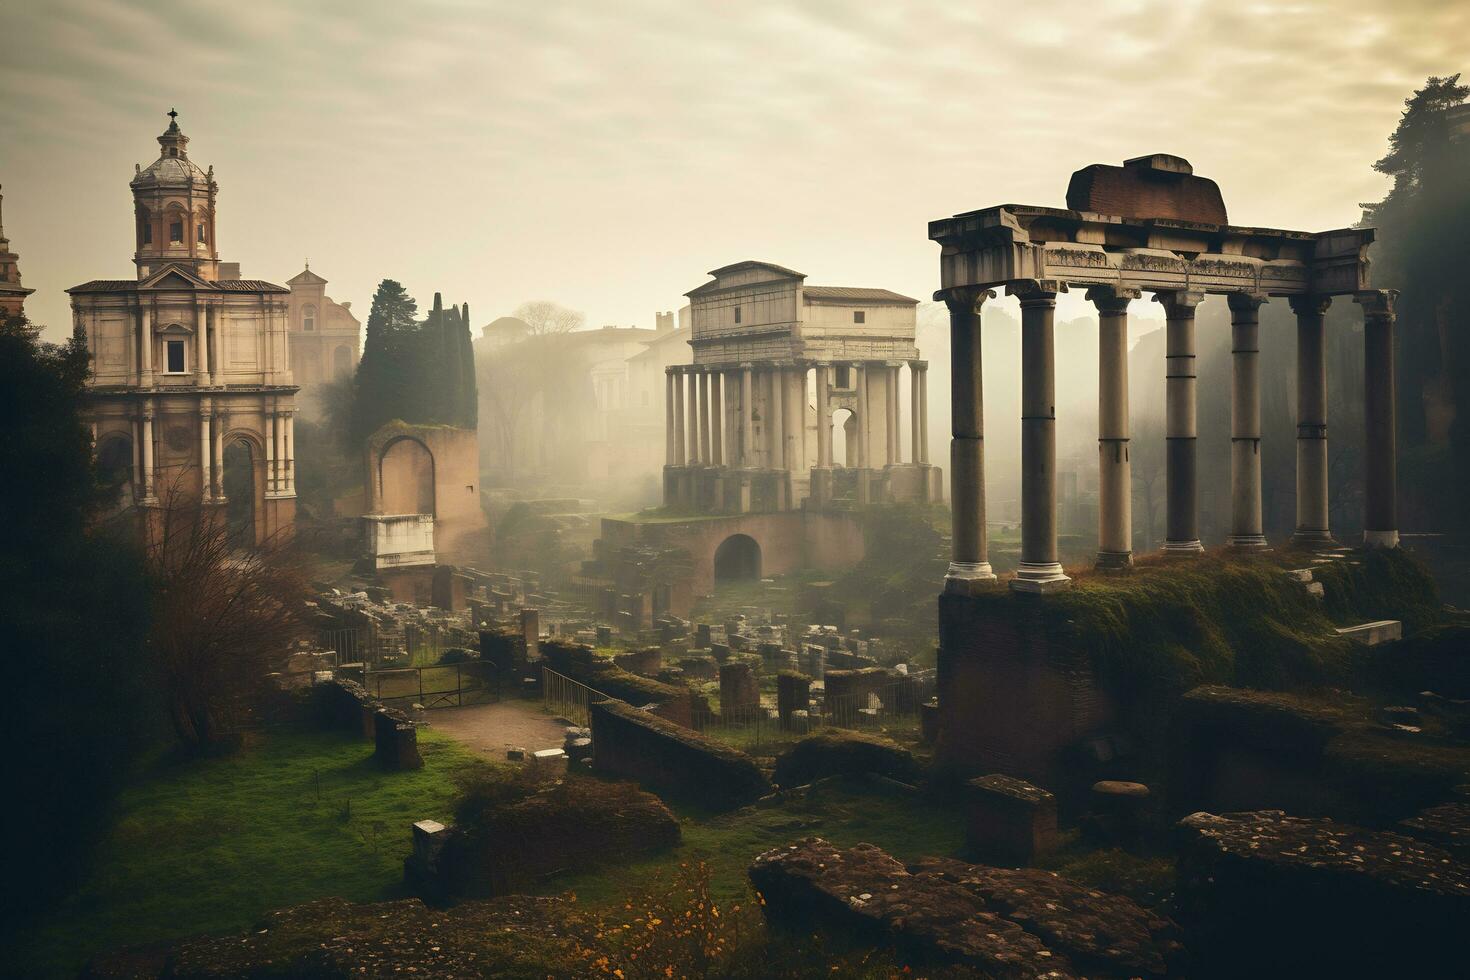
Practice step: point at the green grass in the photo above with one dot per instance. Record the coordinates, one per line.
(908, 827)
(207, 845)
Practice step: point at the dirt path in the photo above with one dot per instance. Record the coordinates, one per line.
(490, 729)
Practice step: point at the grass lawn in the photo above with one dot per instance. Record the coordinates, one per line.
(207, 845)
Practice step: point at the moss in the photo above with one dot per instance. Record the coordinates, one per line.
(1384, 583)
(840, 752)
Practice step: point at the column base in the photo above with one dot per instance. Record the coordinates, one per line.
(1114, 560)
(1380, 539)
(1185, 549)
(1246, 542)
(963, 576)
(1312, 537)
(1041, 578)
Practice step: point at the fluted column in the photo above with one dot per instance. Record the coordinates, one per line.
(1380, 442)
(677, 395)
(1039, 570)
(1312, 524)
(1115, 469)
(206, 455)
(747, 423)
(717, 420)
(1181, 470)
(704, 436)
(969, 554)
(1246, 527)
(692, 423)
(824, 416)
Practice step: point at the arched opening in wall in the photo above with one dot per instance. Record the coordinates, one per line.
(341, 363)
(115, 464)
(844, 434)
(238, 481)
(406, 475)
(737, 559)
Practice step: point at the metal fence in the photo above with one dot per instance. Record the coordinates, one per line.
(447, 686)
(568, 698)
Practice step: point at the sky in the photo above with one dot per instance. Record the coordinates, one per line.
(606, 155)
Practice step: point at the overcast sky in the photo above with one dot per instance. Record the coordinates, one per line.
(606, 155)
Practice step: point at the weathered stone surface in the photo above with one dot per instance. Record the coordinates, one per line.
(637, 745)
(1006, 924)
(1317, 897)
(1446, 826)
(1009, 820)
(839, 752)
(1101, 934)
(513, 936)
(396, 745)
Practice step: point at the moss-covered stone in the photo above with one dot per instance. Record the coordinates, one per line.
(840, 752)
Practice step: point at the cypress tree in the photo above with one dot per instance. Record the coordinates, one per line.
(386, 375)
(469, 413)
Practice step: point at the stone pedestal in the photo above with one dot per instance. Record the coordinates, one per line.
(739, 690)
(1009, 821)
(793, 693)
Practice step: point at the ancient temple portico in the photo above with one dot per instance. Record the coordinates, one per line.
(1152, 226)
(749, 422)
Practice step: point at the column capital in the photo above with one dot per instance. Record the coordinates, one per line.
(1377, 304)
(964, 299)
(1036, 292)
(1309, 304)
(1179, 304)
(1245, 302)
(918, 364)
(1112, 300)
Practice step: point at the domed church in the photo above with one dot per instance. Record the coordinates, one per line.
(191, 394)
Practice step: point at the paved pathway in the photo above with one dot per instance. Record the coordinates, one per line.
(490, 729)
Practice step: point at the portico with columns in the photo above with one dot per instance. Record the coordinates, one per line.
(750, 422)
(190, 361)
(1153, 227)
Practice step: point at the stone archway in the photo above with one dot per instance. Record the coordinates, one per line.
(737, 559)
(406, 478)
(239, 484)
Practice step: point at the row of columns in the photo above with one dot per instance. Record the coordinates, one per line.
(696, 435)
(279, 442)
(206, 345)
(1039, 569)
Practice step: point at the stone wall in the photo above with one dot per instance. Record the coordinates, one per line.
(637, 745)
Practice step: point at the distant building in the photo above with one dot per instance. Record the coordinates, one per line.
(191, 391)
(12, 293)
(326, 339)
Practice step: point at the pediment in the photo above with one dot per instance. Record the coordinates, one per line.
(173, 277)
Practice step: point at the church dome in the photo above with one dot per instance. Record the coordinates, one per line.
(173, 168)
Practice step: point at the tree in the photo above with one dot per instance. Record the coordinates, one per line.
(386, 373)
(74, 602)
(545, 317)
(223, 619)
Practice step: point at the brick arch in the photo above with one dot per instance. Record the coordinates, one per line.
(405, 476)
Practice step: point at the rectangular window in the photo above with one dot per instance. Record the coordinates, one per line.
(175, 352)
(148, 233)
(859, 316)
(201, 233)
(737, 314)
(176, 231)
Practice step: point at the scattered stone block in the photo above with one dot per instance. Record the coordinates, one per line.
(1372, 634)
(739, 689)
(1009, 820)
(515, 755)
(793, 693)
(1318, 898)
(548, 755)
(395, 746)
(1116, 813)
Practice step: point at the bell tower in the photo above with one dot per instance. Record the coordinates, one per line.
(174, 210)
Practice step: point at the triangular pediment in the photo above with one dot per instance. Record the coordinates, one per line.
(173, 277)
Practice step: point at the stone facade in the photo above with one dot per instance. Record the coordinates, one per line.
(749, 424)
(12, 293)
(325, 338)
(192, 391)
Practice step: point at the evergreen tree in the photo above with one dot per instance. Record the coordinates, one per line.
(387, 373)
(469, 413)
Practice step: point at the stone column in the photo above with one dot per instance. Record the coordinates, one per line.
(139, 492)
(211, 319)
(1115, 480)
(862, 429)
(148, 451)
(677, 393)
(201, 345)
(704, 439)
(1180, 474)
(270, 453)
(206, 470)
(1246, 527)
(915, 453)
(1039, 570)
(923, 411)
(717, 420)
(747, 424)
(890, 415)
(1312, 526)
(221, 421)
(669, 397)
(289, 421)
(824, 416)
(692, 423)
(970, 551)
(145, 343)
(1380, 456)
(777, 423)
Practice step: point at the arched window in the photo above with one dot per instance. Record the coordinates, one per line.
(202, 226)
(145, 227)
(176, 229)
(308, 317)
